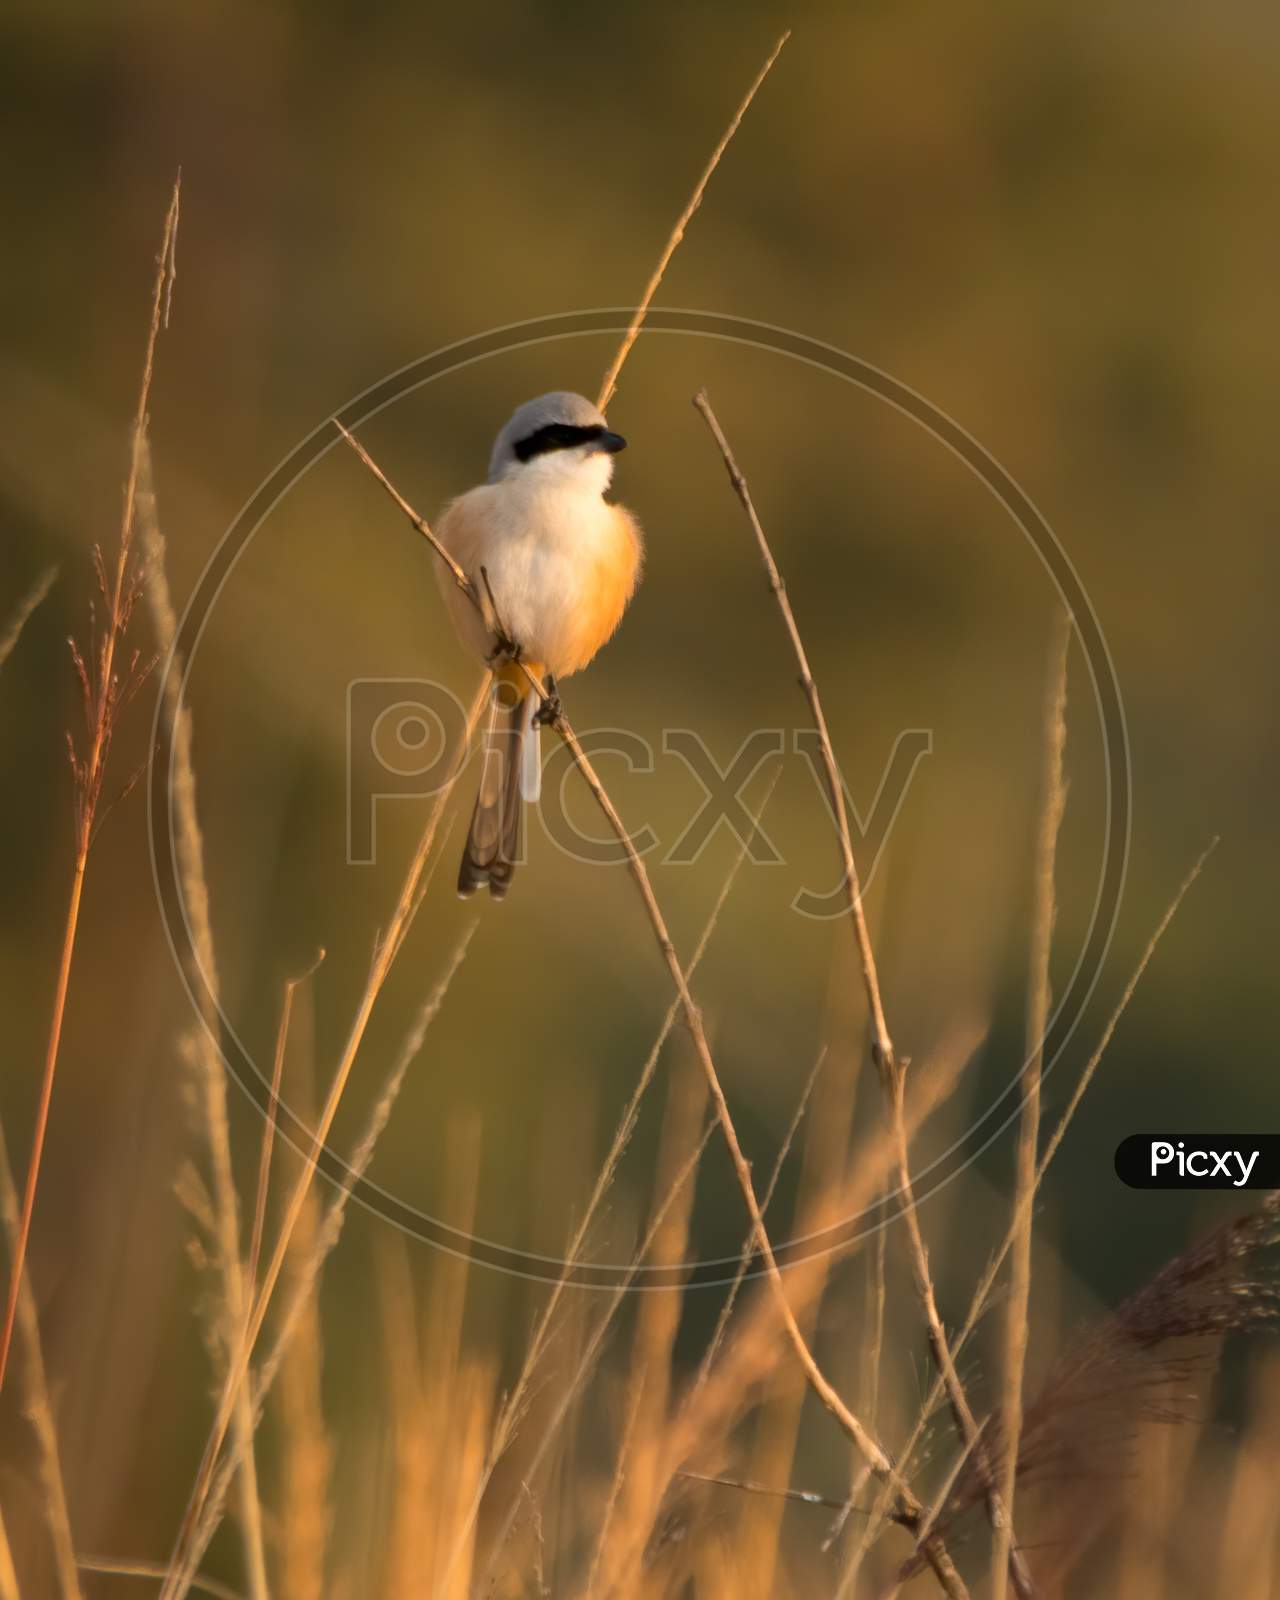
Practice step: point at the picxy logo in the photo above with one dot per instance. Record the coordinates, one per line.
(1205, 1161)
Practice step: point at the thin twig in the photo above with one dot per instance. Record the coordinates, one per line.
(966, 1424)
(882, 1044)
(459, 576)
(805, 1497)
(609, 384)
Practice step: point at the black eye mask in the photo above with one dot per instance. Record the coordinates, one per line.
(564, 436)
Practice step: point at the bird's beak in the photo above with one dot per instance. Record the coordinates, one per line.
(612, 442)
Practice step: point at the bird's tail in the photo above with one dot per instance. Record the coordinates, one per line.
(510, 774)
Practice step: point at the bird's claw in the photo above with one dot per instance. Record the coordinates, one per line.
(548, 710)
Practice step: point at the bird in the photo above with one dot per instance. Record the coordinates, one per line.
(559, 564)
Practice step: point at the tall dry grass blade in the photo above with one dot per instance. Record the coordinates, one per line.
(429, 1399)
(825, 1152)
(657, 1319)
(103, 701)
(387, 949)
(213, 1123)
(909, 1507)
(875, 1320)
(38, 1406)
(609, 384)
(307, 1452)
(304, 1518)
(269, 1128)
(22, 613)
(616, 1485)
(1053, 801)
(594, 1344)
(302, 1285)
(407, 1539)
(471, 1415)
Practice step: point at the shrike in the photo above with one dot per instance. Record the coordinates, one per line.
(560, 563)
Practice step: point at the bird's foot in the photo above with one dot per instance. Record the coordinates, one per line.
(549, 708)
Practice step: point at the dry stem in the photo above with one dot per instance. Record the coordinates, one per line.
(236, 1283)
(882, 1044)
(609, 384)
(269, 1130)
(1052, 805)
(966, 1423)
(104, 697)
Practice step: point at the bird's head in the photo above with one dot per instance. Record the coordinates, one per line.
(560, 437)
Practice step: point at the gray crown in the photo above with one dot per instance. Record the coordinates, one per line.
(561, 405)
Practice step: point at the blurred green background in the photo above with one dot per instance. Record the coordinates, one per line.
(1058, 226)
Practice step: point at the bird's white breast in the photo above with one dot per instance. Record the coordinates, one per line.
(543, 539)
